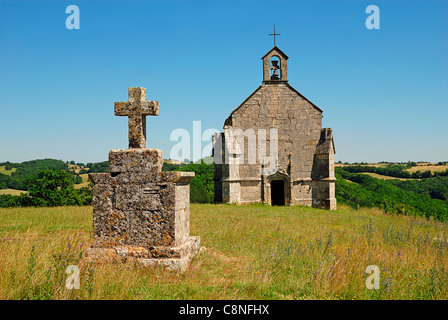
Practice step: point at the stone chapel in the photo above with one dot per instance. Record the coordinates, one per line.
(304, 162)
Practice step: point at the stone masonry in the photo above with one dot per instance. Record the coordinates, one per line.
(305, 161)
(139, 212)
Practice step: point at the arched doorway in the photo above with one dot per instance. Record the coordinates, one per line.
(278, 193)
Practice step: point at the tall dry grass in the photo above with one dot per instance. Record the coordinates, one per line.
(248, 252)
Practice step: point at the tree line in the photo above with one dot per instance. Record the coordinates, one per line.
(397, 171)
(49, 188)
(426, 197)
(26, 169)
(51, 182)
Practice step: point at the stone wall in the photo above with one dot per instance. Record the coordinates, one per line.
(141, 212)
(305, 159)
(299, 125)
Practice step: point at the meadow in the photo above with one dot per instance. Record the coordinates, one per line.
(248, 252)
(383, 177)
(13, 192)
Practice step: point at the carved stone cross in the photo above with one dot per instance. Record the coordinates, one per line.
(137, 108)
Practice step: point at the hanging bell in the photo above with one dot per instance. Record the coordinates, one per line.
(275, 67)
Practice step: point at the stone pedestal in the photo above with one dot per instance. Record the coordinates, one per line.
(142, 213)
(139, 212)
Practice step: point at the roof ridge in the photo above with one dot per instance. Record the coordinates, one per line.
(278, 49)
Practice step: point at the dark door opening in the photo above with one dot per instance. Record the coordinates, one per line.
(278, 193)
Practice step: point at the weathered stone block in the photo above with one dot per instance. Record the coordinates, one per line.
(172, 258)
(177, 176)
(140, 212)
(135, 160)
(137, 197)
(99, 178)
(152, 228)
(130, 177)
(102, 197)
(110, 228)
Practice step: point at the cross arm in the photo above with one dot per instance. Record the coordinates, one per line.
(144, 108)
(150, 108)
(122, 108)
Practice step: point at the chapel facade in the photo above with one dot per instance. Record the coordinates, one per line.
(273, 149)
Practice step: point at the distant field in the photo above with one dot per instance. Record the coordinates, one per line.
(420, 166)
(8, 172)
(425, 167)
(76, 167)
(13, 192)
(380, 176)
(85, 181)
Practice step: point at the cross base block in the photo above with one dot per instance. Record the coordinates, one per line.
(172, 258)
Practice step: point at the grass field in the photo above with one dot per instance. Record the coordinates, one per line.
(85, 181)
(8, 172)
(433, 167)
(13, 192)
(75, 167)
(248, 252)
(383, 177)
(425, 167)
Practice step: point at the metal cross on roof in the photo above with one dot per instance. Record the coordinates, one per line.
(274, 34)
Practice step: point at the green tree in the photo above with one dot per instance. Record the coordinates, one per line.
(425, 197)
(201, 187)
(53, 188)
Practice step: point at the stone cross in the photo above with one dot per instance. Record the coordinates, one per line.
(137, 108)
(141, 213)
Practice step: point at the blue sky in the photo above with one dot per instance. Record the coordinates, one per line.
(384, 92)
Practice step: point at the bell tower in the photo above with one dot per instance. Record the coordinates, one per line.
(275, 66)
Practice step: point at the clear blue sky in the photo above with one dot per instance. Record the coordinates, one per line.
(384, 92)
